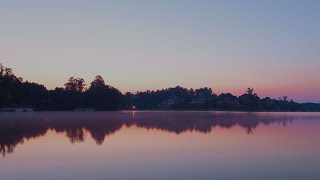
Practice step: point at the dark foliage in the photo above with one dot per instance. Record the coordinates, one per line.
(101, 96)
(205, 99)
(15, 92)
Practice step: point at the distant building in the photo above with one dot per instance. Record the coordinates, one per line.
(197, 101)
(16, 109)
(170, 102)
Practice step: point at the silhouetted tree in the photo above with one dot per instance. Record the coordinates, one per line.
(102, 96)
(250, 91)
(227, 102)
(35, 95)
(250, 100)
(127, 100)
(15, 92)
(75, 84)
(9, 84)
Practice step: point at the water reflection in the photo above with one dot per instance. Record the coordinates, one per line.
(17, 128)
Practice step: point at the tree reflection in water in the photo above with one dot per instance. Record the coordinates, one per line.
(16, 128)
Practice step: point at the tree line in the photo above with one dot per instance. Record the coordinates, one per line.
(204, 99)
(75, 94)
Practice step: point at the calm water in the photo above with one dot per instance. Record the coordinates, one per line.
(159, 145)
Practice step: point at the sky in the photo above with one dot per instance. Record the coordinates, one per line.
(272, 46)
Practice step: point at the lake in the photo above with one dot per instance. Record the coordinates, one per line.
(159, 145)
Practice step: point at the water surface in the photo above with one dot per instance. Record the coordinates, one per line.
(159, 145)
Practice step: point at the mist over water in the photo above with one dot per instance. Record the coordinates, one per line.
(159, 145)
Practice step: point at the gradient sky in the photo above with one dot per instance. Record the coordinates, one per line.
(273, 46)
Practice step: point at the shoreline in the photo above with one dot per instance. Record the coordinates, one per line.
(161, 110)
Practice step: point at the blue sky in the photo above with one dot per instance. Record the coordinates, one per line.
(273, 46)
